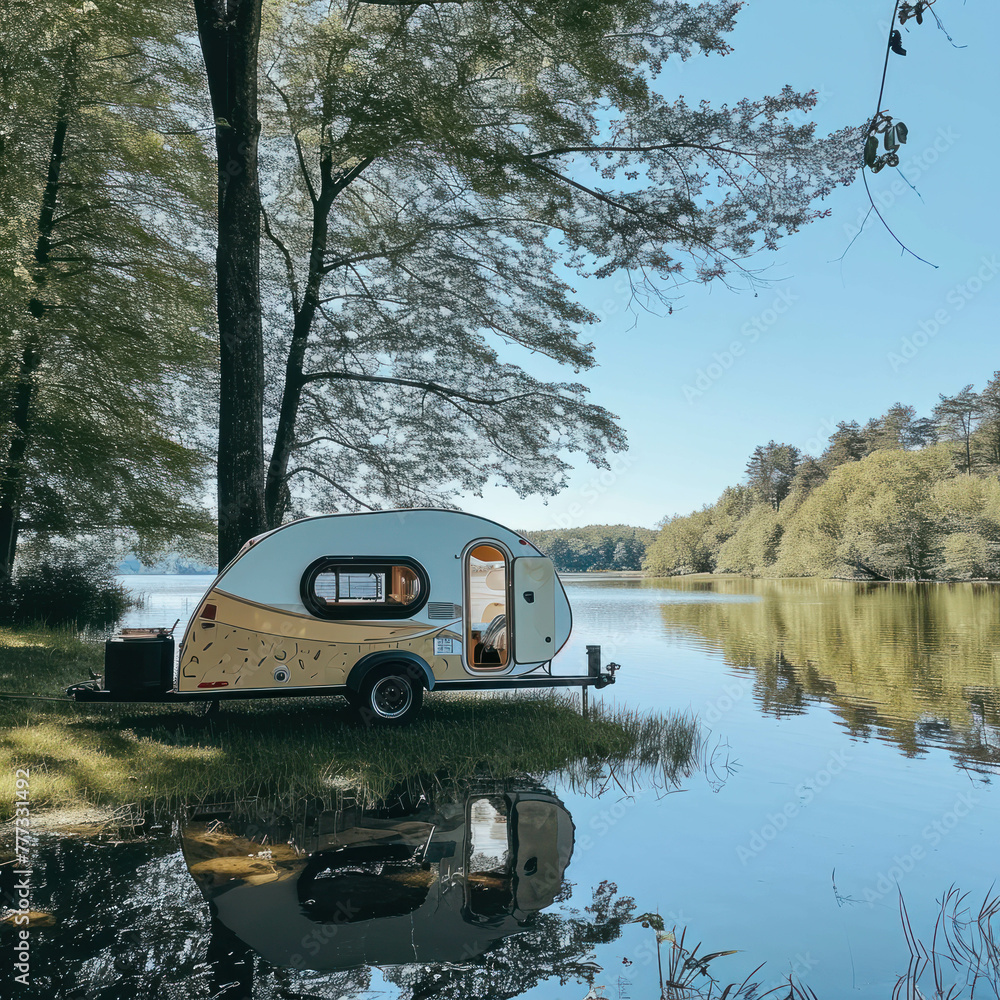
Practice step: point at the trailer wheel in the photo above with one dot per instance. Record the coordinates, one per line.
(389, 696)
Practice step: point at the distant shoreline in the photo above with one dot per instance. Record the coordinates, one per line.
(166, 572)
(826, 579)
(625, 574)
(602, 574)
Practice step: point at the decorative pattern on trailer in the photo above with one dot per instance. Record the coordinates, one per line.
(257, 647)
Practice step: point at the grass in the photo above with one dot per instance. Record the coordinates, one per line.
(963, 954)
(110, 756)
(959, 957)
(44, 661)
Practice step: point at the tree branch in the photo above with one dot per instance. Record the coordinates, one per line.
(655, 148)
(412, 3)
(333, 483)
(432, 387)
(295, 138)
(349, 176)
(289, 266)
(326, 437)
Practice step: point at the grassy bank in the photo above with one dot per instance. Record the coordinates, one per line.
(108, 756)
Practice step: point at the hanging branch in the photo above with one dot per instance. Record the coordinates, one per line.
(893, 133)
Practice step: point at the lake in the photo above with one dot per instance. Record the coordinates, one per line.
(852, 737)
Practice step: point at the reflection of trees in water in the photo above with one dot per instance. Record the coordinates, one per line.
(914, 664)
(553, 947)
(132, 923)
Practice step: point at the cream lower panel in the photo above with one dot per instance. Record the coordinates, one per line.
(226, 656)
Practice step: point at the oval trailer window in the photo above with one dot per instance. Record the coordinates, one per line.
(336, 587)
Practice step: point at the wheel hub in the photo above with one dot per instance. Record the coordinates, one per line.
(391, 697)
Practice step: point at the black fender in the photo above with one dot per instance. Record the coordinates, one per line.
(372, 661)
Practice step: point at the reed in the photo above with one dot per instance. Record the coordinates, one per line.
(963, 953)
(958, 960)
(686, 973)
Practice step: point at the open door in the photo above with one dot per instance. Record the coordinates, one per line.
(534, 610)
(487, 572)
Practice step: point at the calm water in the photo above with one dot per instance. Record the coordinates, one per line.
(854, 736)
(165, 599)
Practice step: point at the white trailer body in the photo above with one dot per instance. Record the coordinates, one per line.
(377, 607)
(305, 604)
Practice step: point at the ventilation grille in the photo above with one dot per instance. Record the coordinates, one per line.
(443, 612)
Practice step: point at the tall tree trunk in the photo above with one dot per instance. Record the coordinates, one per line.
(230, 31)
(14, 472)
(275, 491)
(12, 478)
(284, 438)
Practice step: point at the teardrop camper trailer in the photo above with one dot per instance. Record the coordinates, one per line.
(377, 607)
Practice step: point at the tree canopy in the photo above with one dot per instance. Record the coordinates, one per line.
(433, 175)
(594, 547)
(901, 498)
(104, 292)
(431, 180)
(771, 470)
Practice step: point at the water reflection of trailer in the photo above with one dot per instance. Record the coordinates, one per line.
(430, 888)
(377, 607)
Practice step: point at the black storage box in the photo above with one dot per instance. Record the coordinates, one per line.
(139, 666)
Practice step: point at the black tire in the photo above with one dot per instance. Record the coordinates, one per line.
(389, 696)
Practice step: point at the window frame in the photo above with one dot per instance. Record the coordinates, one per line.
(362, 610)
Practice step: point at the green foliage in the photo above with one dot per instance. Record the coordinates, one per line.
(432, 175)
(967, 508)
(103, 282)
(965, 556)
(989, 420)
(900, 498)
(64, 591)
(691, 544)
(890, 430)
(753, 549)
(846, 444)
(956, 417)
(898, 427)
(682, 546)
(771, 470)
(594, 547)
(870, 518)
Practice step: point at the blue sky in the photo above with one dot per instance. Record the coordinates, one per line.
(835, 340)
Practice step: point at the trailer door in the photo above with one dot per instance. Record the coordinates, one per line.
(534, 610)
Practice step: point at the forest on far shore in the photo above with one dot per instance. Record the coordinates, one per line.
(594, 547)
(901, 497)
